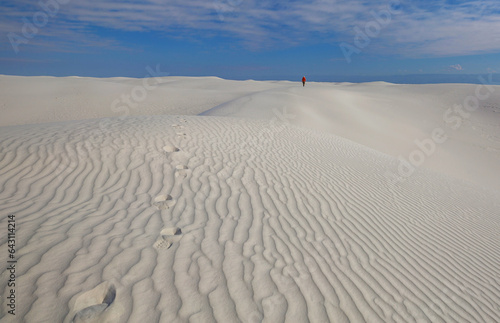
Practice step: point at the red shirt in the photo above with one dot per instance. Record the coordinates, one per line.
(304, 79)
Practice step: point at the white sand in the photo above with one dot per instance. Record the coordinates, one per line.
(158, 214)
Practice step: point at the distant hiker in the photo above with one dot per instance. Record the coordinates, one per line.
(303, 80)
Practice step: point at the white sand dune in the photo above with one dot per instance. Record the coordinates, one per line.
(187, 218)
(29, 100)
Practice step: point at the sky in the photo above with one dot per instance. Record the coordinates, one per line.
(403, 41)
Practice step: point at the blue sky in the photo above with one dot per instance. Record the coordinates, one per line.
(240, 39)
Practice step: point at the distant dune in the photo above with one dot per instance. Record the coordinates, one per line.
(183, 199)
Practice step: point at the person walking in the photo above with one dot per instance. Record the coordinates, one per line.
(303, 81)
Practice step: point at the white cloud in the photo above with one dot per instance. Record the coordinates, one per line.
(460, 29)
(470, 28)
(456, 67)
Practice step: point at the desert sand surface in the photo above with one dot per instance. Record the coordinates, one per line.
(198, 199)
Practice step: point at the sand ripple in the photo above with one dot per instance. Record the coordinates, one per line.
(234, 220)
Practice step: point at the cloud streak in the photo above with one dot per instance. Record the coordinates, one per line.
(423, 28)
(456, 67)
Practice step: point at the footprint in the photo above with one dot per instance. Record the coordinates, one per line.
(181, 170)
(163, 243)
(177, 126)
(95, 305)
(90, 314)
(168, 236)
(181, 135)
(163, 202)
(170, 149)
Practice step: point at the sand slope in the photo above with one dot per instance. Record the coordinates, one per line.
(217, 219)
(390, 118)
(29, 100)
(386, 117)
